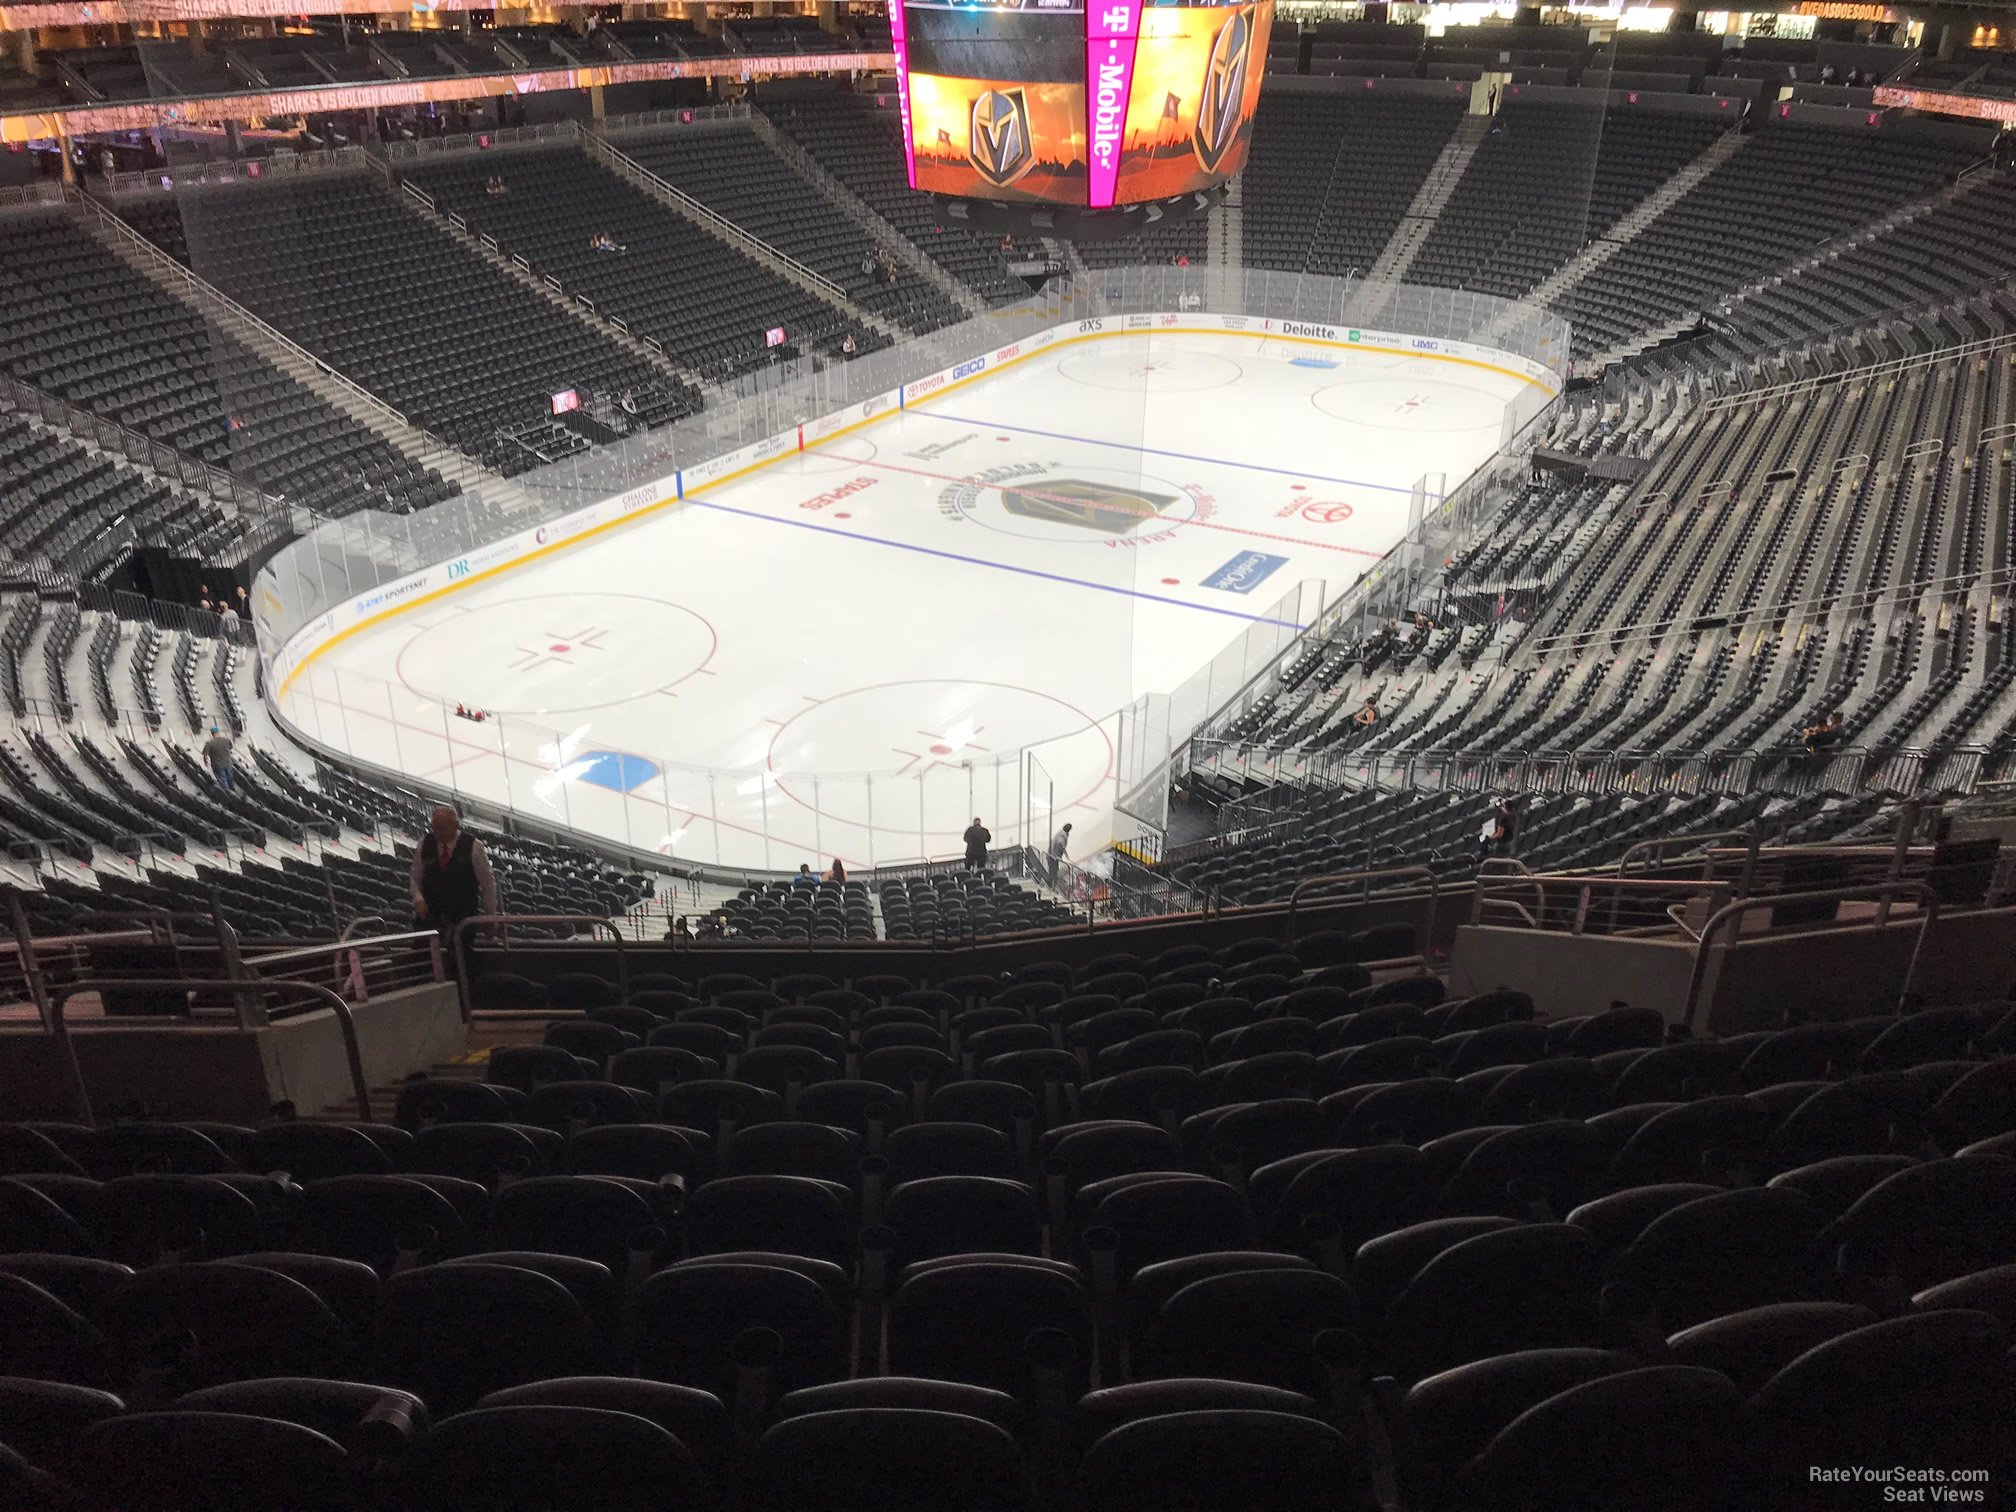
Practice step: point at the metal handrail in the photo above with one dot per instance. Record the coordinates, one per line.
(1881, 891)
(460, 945)
(1366, 879)
(626, 166)
(59, 1026)
(1656, 849)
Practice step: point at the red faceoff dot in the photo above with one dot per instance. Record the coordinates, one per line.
(1298, 488)
(843, 515)
(941, 750)
(1172, 582)
(556, 649)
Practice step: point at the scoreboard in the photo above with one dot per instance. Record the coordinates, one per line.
(1084, 103)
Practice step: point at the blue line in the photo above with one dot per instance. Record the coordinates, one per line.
(953, 556)
(1152, 451)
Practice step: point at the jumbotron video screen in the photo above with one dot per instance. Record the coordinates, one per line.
(1061, 102)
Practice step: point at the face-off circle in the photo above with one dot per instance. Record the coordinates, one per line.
(557, 653)
(840, 454)
(869, 756)
(1149, 368)
(1414, 404)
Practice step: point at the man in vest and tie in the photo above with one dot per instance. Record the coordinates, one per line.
(451, 878)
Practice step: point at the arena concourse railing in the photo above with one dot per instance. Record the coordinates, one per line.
(344, 574)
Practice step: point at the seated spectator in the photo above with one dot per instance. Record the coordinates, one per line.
(838, 873)
(1823, 736)
(805, 877)
(494, 185)
(1367, 715)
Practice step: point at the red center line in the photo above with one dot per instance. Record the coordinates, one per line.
(1116, 507)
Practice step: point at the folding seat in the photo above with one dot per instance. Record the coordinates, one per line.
(310, 1151)
(212, 1462)
(453, 1333)
(796, 1149)
(1679, 1073)
(1502, 1006)
(130, 1148)
(432, 1100)
(42, 1338)
(599, 1218)
(1533, 1170)
(1239, 1137)
(1411, 1112)
(1615, 1221)
(1929, 1388)
(1992, 1291)
(1451, 1417)
(815, 1037)
(207, 1324)
(568, 1107)
(697, 1419)
(791, 1215)
(378, 1219)
(889, 1460)
(1396, 1059)
(1257, 1325)
(940, 1004)
(1617, 1029)
(25, 1151)
(780, 1068)
(653, 1068)
(1510, 1044)
(630, 1018)
(551, 1458)
(655, 981)
(1978, 1106)
(485, 1153)
(1528, 1287)
(709, 1041)
(146, 1218)
(45, 1420)
(954, 1215)
(1931, 1223)
(1726, 1253)
(1869, 1115)
(1281, 1074)
(1834, 1185)
(1812, 1052)
(1668, 1438)
(997, 1104)
(1693, 1140)
(1201, 1461)
(1161, 1215)
(718, 1108)
(1930, 1034)
(594, 1042)
(864, 1107)
(717, 1322)
(1751, 1346)
(975, 1317)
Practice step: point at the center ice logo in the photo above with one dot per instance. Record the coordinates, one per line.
(1080, 501)
(1033, 492)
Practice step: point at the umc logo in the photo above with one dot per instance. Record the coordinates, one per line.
(998, 143)
(1224, 91)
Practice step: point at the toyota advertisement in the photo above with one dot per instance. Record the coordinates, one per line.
(1063, 102)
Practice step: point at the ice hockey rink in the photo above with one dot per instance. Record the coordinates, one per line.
(854, 650)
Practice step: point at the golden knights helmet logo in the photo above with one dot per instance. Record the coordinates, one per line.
(1080, 501)
(998, 143)
(1224, 91)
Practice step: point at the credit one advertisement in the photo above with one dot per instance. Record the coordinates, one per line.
(1111, 102)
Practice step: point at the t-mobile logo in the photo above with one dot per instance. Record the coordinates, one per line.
(1116, 20)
